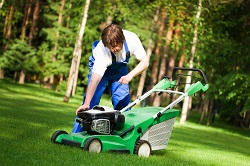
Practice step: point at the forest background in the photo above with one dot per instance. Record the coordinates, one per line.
(48, 42)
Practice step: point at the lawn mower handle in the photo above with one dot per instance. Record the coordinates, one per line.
(189, 69)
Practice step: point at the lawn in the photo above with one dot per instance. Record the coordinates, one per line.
(29, 115)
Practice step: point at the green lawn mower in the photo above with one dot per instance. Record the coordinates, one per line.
(135, 130)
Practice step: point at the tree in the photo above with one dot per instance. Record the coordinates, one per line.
(23, 33)
(21, 57)
(149, 52)
(7, 31)
(1, 4)
(34, 22)
(73, 73)
(193, 51)
(156, 58)
(57, 36)
(165, 55)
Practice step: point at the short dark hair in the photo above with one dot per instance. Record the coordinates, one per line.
(112, 35)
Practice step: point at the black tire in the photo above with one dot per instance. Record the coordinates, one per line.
(93, 145)
(56, 134)
(142, 145)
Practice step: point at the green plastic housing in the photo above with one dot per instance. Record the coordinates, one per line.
(141, 118)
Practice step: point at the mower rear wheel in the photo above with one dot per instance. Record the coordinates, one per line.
(143, 148)
(93, 145)
(56, 134)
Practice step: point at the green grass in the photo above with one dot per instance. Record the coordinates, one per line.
(29, 115)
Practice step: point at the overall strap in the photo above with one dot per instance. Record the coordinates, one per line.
(127, 51)
(113, 57)
(94, 44)
(92, 58)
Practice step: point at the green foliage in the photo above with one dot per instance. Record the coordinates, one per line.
(223, 50)
(61, 87)
(233, 93)
(20, 56)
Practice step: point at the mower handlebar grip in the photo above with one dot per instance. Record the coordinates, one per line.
(190, 69)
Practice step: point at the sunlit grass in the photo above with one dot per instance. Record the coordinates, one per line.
(29, 115)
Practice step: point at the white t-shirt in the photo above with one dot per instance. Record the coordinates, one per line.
(103, 57)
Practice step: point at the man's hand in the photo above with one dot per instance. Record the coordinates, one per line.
(83, 107)
(125, 79)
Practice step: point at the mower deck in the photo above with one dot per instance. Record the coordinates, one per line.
(137, 122)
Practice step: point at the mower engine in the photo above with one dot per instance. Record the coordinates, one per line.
(101, 120)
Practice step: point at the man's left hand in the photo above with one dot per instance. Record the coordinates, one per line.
(125, 79)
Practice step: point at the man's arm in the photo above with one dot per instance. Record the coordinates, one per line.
(95, 79)
(142, 65)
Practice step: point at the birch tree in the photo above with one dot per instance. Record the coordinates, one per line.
(1, 4)
(73, 73)
(185, 106)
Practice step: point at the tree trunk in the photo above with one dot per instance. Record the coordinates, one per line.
(45, 79)
(26, 19)
(1, 74)
(180, 64)
(143, 75)
(61, 78)
(193, 50)
(149, 52)
(22, 77)
(106, 23)
(51, 77)
(211, 114)
(7, 31)
(75, 78)
(157, 99)
(15, 76)
(172, 58)
(205, 105)
(156, 58)
(34, 22)
(182, 60)
(60, 21)
(23, 32)
(76, 55)
(1, 4)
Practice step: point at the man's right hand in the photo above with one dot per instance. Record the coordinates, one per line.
(83, 107)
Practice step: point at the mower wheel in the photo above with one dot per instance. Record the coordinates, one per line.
(93, 145)
(143, 148)
(56, 134)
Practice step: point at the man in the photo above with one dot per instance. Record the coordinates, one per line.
(108, 67)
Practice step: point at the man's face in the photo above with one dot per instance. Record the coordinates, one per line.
(115, 48)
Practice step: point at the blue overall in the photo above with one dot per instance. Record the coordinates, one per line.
(120, 92)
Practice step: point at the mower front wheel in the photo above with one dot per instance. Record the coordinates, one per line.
(142, 148)
(56, 134)
(93, 145)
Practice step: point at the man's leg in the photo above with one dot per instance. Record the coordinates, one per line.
(95, 101)
(120, 95)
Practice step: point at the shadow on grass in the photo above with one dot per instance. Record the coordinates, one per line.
(27, 122)
(29, 89)
(195, 118)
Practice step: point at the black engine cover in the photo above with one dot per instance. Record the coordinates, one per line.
(115, 117)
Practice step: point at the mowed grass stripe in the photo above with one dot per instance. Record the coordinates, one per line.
(29, 115)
